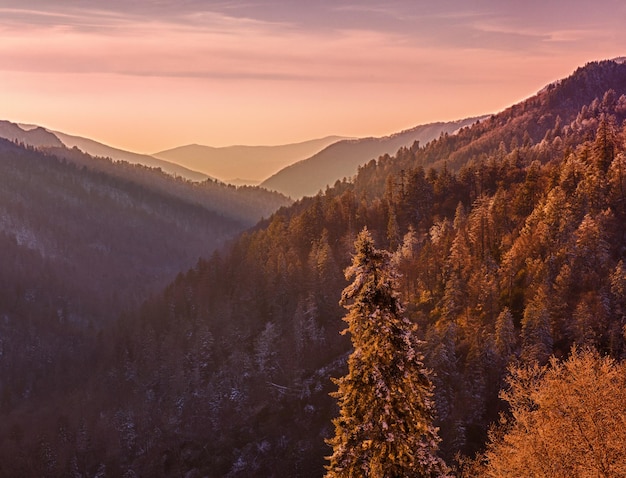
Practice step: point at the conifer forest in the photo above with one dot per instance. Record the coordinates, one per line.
(457, 308)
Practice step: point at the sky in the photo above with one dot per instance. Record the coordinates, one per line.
(149, 75)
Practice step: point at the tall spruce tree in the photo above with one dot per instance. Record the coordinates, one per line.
(385, 427)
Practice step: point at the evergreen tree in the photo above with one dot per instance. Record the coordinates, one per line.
(505, 337)
(537, 341)
(386, 411)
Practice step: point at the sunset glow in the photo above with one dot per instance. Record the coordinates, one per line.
(149, 76)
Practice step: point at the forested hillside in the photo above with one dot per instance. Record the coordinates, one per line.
(81, 241)
(343, 158)
(509, 237)
(246, 204)
(113, 232)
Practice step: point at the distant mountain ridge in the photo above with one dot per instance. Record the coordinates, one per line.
(39, 137)
(34, 136)
(245, 204)
(342, 159)
(295, 170)
(250, 164)
(95, 148)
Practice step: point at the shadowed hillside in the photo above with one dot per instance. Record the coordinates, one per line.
(83, 240)
(39, 137)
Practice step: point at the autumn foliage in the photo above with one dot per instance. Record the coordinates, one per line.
(565, 419)
(510, 245)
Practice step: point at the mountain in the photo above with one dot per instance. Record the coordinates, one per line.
(95, 148)
(34, 136)
(245, 204)
(84, 240)
(342, 159)
(136, 226)
(509, 242)
(39, 137)
(243, 164)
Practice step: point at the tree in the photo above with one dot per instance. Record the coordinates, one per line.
(537, 342)
(605, 144)
(265, 350)
(386, 411)
(567, 419)
(505, 336)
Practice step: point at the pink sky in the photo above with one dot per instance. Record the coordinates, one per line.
(153, 75)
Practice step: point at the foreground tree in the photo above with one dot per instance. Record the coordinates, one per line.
(567, 419)
(386, 412)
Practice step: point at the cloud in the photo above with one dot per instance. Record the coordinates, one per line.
(202, 45)
(394, 42)
(349, 67)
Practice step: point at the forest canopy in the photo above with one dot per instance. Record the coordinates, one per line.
(509, 241)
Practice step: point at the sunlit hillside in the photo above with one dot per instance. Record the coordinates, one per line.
(502, 254)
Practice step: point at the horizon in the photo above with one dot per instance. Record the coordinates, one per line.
(148, 77)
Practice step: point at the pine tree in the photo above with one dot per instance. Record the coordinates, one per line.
(505, 336)
(537, 341)
(386, 412)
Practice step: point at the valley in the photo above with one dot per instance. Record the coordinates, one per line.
(155, 325)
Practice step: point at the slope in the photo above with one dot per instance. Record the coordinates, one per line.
(34, 136)
(95, 148)
(341, 159)
(246, 204)
(101, 235)
(514, 254)
(82, 240)
(38, 137)
(243, 163)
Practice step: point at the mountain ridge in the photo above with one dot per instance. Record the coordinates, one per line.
(40, 137)
(198, 162)
(95, 148)
(342, 159)
(36, 136)
(509, 242)
(259, 161)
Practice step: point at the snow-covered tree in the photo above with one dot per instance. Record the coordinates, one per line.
(537, 341)
(385, 427)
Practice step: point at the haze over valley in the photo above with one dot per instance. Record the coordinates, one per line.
(295, 170)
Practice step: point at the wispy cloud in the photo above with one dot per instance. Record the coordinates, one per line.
(206, 44)
(350, 67)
